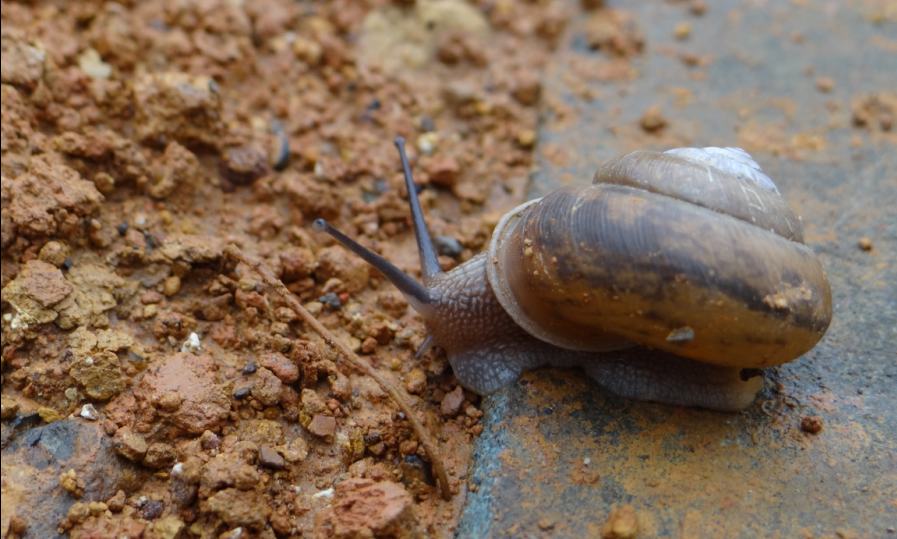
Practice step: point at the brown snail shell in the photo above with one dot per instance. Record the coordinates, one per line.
(668, 252)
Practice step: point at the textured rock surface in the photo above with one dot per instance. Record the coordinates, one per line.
(556, 448)
(34, 459)
(204, 404)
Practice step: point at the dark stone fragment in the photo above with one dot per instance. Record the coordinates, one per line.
(38, 455)
(331, 300)
(151, 510)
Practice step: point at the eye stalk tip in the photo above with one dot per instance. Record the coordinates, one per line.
(320, 225)
(399, 141)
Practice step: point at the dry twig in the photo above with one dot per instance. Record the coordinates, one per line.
(333, 342)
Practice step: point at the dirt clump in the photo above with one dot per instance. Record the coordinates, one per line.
(203, 403)
(50, 199)
(874, 111)
(177, 106)
(812, 424)
(364, 508)
(38, 287)
(180, 171)
(139, 140)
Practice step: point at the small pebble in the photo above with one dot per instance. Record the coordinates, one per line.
(682, 30)
(451, 404)
(192, 344)
(622, 523)
(172, 286)
(408, 447)
(122, 228)
(49, 415)
(698, 7)
(314, 307)
(282, 154)
(151, 510)
(427, 125)
(322, 426)
(93, 65)
(811, 424)
(8, 408)
(652, 119)
(526, 137)
(129, 444)
(17, 525)
(70, 483)
(159, 455)
(151, 297)
(250, 367)
(269, 458)
(54, 252)
(427, 142)
(89, 413)
(97, 508)
(825, 84)
(242, 392)
(331, 299)
(151, 241)
(865, 244)
(104, 182)
(416, 381)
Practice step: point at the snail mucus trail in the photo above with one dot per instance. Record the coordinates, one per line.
(674, 277)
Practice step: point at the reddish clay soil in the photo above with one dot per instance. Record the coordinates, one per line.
(138, 140)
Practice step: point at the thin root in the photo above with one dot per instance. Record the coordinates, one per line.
(333, 342)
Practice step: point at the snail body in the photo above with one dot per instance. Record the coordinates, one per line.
(672, 278)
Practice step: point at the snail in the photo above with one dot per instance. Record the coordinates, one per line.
(674, 277)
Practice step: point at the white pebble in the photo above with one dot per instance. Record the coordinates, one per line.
(323, 494)
(91, 63)
(89, 413)
(426, 143)
(192, 344)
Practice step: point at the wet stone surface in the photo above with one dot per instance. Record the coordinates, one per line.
(558, 449)
(39, 455)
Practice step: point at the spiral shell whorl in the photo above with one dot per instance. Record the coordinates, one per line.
(724, 180)
(733, 160)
